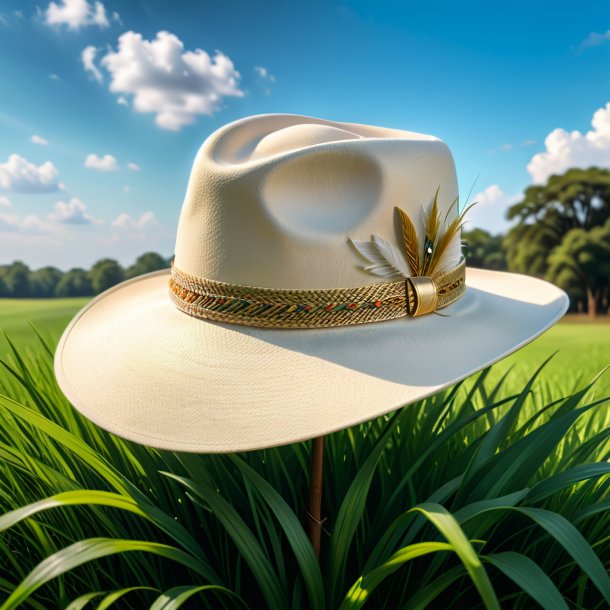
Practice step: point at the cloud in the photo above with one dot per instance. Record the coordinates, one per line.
(53, 76)
(21, 176)
(107, 163)
(87, 56)
(122, 101)
(490, 209)
(73, 212)
(508, 146)
(595, 39)
(39, 140)
(76, 14)
(267, 78)
(164, 79)
(5, 202)
(29, 224)
(134, 167)
(264, 73)
(125, 221)
(574, 149)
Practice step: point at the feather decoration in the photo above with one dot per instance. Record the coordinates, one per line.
(387, 260)
(451, 256)
(448, 251)
(410, 241)
(441, 252)
(433, 223)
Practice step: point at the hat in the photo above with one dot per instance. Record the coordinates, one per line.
(318, 282)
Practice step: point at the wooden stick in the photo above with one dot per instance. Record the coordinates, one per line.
(315, 494)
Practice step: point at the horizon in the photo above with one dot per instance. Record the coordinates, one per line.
(94, 160)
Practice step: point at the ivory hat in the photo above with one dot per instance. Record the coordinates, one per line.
(297, 303)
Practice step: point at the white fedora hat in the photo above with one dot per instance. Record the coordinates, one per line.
(299, 302)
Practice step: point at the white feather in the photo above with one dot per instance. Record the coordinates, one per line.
(451, 256)
(387, 260)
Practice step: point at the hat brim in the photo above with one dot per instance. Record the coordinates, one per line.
(134, 364)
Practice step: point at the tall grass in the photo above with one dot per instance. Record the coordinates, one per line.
(492, 493)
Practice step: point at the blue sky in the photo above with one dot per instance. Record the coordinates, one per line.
(513, 89)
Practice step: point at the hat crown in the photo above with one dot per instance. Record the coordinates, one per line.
(274, 199)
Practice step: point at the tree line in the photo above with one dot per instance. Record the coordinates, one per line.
(17, 280)
(561, 234)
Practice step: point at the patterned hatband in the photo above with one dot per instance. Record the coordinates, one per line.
(285, 308)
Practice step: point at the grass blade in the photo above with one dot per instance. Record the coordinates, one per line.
(301, 546)
(446, 524)
(174, 598)
(562, 480)
(528, 575)
(365, 585)
(574, 543)
(88, 550)
(244, 539)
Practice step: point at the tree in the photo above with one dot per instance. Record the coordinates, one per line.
(583, 257)
(105, 273)
(484, 250)
(44, 281)
(150, 261)
(17, 280)
(579, 199)
(74, 283)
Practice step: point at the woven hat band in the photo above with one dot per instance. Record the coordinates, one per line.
(285, 308)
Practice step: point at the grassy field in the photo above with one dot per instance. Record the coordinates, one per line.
(483, 496)
(583, 348)
(50, 316)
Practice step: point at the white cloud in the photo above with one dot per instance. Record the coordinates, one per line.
(264, 73)
(29, 224)
(595, 39)
(574, 149)
(125, 221)
(267, 78)
(107, 163)
(19, 175)
(134, 167)
(87, 56)
(53, 76)
(39, 140)
(76, 14)
(122, 101)
(73, 212)
(163, 79)
(5, 202)
(489, 211)
(127, 189)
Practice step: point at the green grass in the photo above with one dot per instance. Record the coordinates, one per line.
(495, 492)
(49, 315)
(583, 349)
